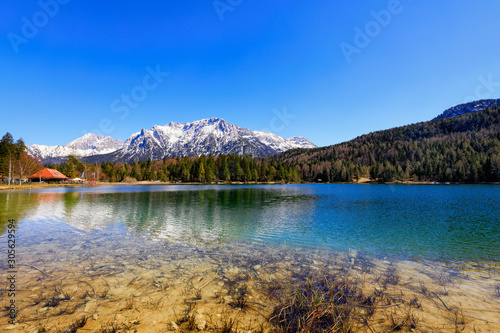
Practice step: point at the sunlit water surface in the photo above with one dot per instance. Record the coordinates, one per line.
(459, 223)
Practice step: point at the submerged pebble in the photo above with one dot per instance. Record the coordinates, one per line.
(172, 326)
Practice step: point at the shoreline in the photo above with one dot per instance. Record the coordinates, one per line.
(366, 182)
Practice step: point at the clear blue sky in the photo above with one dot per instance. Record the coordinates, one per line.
(242, 62)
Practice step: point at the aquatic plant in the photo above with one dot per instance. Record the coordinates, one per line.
(409, 321)
(241, 301)
(459, 320)
(444, 279)
(415, 302)
(79, 323)
(391, 277)
(129, 305)
(321, 305)
(229, 325)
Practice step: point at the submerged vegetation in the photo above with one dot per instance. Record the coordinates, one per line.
(325, 305)
(181, 287)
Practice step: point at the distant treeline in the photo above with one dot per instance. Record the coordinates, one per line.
(465, 148)
(187, 169)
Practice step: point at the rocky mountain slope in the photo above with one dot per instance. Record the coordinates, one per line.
(203, 137)
(87, 145)
(468, 107)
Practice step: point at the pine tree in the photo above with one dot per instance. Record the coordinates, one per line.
(8, 152)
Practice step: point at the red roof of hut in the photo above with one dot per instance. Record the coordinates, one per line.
(49, 174)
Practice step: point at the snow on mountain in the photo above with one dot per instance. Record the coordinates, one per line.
(87, 145)
(203, 137)
(468, 107)
(96, 142)
(280, 144)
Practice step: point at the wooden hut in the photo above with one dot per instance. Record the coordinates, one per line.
(48, 175)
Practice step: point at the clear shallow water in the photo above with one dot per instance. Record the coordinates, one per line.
(456, 223)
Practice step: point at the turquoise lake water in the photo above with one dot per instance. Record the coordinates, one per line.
(438, 222)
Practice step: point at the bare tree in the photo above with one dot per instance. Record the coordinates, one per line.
(26, 165)
(40, 168)
(19, 149)
(85, 171)
(97, 171)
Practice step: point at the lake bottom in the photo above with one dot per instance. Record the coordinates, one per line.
(114, 281)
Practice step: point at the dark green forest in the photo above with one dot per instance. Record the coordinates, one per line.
(464, 148)
(204, 169)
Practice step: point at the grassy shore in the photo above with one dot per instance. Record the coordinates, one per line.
(33, 186)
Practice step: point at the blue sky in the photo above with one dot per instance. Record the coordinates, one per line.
(325, 70)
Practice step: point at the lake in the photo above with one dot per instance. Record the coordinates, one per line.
(457, 223)
(453, 229)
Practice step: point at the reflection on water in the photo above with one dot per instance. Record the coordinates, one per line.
(15, 206)
(457, 223)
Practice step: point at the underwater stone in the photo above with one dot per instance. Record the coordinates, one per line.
(172, 326)
(234, 270)
(201, 325)
(11, 327)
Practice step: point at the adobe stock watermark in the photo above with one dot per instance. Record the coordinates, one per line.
(128, 101)
(31, 26)
(372, 29)
(484, 90)
(280, 121)
(223, 6)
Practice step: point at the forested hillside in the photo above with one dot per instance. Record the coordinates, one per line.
(465, 148)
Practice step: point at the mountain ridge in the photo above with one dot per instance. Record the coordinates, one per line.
(201, 137)
(464, 108)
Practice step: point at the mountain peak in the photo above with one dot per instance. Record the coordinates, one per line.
(95, 142)
(468, 107)
(174, 124)
(86, 145)
(201, 137)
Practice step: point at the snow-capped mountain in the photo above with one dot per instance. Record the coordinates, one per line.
(208, 136)
(87, 145)
(96, 142)
(468, 107)
(203, 137)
